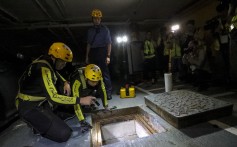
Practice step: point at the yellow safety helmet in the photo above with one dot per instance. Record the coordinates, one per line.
(96, 13)
(61, 51)
(93, 72)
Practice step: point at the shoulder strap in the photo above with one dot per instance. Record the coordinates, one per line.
(93, 40)
(97, 30)
(43, 61)
(47, 63)
(79, 72)
(82, 78)
(38, 60)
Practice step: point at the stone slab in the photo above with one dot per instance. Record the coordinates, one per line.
(182, 108)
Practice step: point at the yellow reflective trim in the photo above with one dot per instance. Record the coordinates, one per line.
(104, 92)
(176, 50)
(233, 20)
(149, 56)
(77, 108)
(149, 47)
(61, 77)
(17, 103)
(54, 96)
(47, 63)
(42, 61)
(75, 88)
(26, 97)
(78, 112)
(83, 80)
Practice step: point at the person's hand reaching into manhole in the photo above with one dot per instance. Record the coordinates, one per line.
(106, 109)
(85, 126)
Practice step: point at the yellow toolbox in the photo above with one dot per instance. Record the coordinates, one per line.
(127, 92)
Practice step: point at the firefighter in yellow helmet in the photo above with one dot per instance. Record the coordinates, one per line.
(98, 48)
(88, 81)
(38, 95)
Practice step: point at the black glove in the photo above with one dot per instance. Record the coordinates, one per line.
(78, 100)
(85, 126)
(94, 94)
(93, 107)
(97, 103)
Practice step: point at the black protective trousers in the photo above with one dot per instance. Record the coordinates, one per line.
(150, 69)
(43, 120)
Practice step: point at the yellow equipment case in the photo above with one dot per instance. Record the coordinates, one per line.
(127, 91)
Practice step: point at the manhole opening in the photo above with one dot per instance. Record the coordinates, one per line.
(120, 126)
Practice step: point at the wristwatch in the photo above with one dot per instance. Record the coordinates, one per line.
(108, 56)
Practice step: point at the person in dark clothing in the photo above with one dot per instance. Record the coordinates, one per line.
(187, 37)
(197, 62)
(38, 96)
(160, 54)
(150, 59)
(222, 33)
(99, 48)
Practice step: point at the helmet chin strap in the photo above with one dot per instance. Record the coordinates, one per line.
(53, 58)
(55, 62)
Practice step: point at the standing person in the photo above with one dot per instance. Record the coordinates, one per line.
(150, 59)
(38, 95)
(197, 61)
(98, 48)
(160, 53)
(222, 32)
(186, 37)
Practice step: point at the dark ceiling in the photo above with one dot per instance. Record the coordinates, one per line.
(30, 26)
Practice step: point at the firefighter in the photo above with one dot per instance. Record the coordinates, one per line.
(38, 96)
(88, 81)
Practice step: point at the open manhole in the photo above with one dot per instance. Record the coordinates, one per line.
(123, 124)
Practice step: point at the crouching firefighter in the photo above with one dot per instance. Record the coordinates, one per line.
(88, 81)
(38, 95)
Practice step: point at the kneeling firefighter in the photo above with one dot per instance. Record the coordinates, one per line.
(38, 94)
(88, 81)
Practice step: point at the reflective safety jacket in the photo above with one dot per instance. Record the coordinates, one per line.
(80, 88)
(149, 50)
(38, 83)
(175, 49)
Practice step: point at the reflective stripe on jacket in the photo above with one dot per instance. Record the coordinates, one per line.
(39, 81)
(175, 50)
(149, 50)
